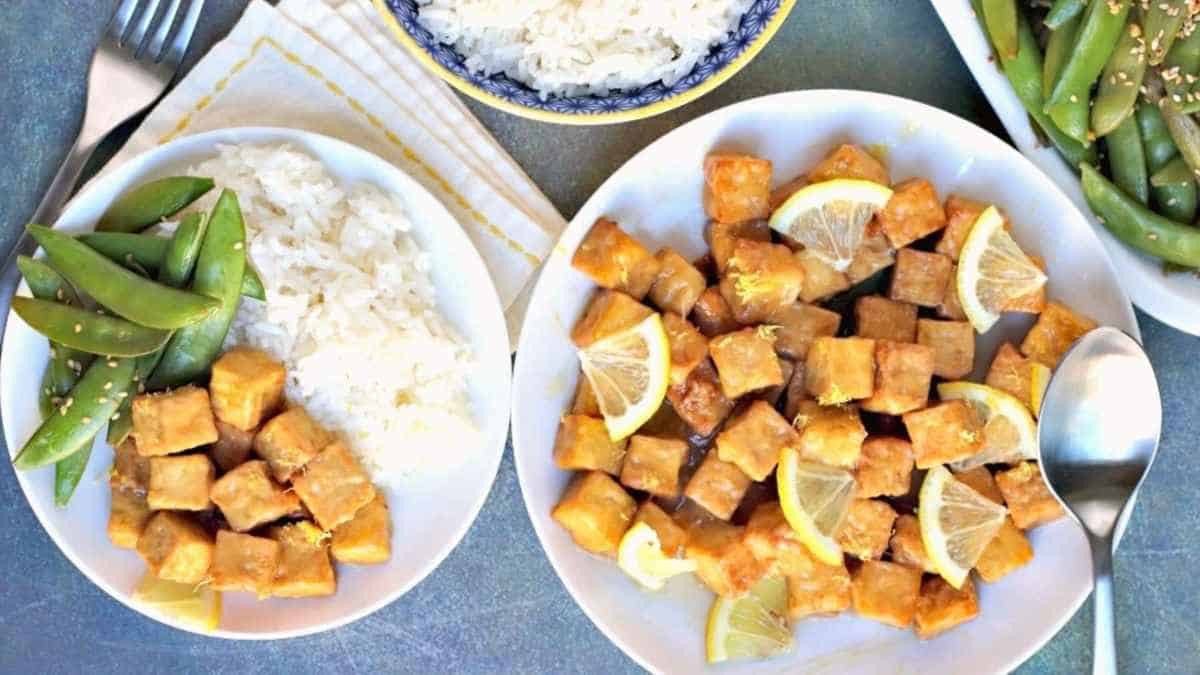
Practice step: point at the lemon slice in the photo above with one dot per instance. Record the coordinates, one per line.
(815, 499)
(957, 524)
(829, 217)
(199, 606)
(1039, 379)
(753, 626)
(1009, 432)
(992, 270)
(629, 372)
(640, 555)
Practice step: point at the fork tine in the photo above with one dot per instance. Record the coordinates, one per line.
(136, 39)
(121, 18)
(183, 36)
(155, 50)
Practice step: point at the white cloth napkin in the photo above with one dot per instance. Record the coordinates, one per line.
(332, 68)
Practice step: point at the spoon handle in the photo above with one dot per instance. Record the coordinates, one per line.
(1104, 648)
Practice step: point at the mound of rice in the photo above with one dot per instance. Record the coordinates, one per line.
(578, 47)
(350, 310)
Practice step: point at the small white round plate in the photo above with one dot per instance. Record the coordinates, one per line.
(430, 512)
(656, 196)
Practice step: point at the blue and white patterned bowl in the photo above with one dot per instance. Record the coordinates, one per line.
(500, 91)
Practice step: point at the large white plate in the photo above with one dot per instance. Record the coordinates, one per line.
(656, 196)
(430, 513)
(1173, 299)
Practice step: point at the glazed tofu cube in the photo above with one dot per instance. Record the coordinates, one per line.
(615, 260)
(652, 464)
(867, 528)
(583, 443)
(781, 194)
(130, 470)
(903, 373)
(288, 441)
(944, 432)
(232, 448)
(920, 278)
(745, 361)
(950, 307)
(304, 568)
(953, 344)
(248, 497)
(724, 562)
(717, 486)
(886, 592)
(884, 467)
(176, 548)
(823, 591)
(671, 537)
(913, 212)
(838, 370)
(850, 161)
(1011, 372)
(980, 480)
(180, 483)
(875, 255)
(242, 562)
(754, 439)
(1029, 500)
(367, 538)
(906, 545)
(246, 387)
(736, 187)
(831, 435)
(942, 606)
(799, 325)
(173, 421)
(759, 279)
(712, 315)
(821, 280)
(721, 238)
(1056, 329)
(771, 539)
(1009, 551)
(689, 347)
(608, 313)
(1033, 302)
(333, 486)
(700, 402)
(596, 512)
(679, 283)
(961, 214)
(878, 318)
(585, 402)
(127, 518)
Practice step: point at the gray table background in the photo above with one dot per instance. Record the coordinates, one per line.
(495, 605)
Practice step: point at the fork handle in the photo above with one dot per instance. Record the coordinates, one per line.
(1104, 644)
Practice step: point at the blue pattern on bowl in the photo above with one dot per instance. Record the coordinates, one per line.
(501, 86)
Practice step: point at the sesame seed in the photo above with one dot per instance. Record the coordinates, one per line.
(69, 402)
(86, 420)
(237, 246)
(78, 328)
(113, 364)
(54, 354)
(58, 294)
(122, 394)
(101, 400)
(63, 411)
(1074, 98)
(141, 388)
(116, 416)
(107, 386)
(1152, 237)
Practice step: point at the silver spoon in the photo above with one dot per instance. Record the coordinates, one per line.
(1097, 435)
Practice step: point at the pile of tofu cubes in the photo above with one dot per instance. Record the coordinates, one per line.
(222, 486)
(757, 365)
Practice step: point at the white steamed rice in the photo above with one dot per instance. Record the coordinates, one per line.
(350, 310)
(578, 47)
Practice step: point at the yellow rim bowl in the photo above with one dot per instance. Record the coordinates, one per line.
(585, 119)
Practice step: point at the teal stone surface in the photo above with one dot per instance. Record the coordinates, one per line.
(495, 605)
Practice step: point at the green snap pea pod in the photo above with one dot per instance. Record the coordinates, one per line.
(88, 331)
(68, 471)
(1000, 18)
(1058, 48)
(66, 364)
(1137, 225)
(1155, 136)
(124, 292)
(1164, 18)
(150, 202)
(145, 249)
(1120, 83)
(1063, 11)
(1098, 36)
(1175, 191)
(1185, 132)
(88, 407)
(1127, 160)
(46, 394)
(252, 285)
(219, 272)
(181, 253)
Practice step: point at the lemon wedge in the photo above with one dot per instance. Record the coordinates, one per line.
(814, 499)
(1039, 379)
(957, 524)
(1009, 431)
(754, 626)
(829, 218)
(629, 371)
(640, 555)
(198, 606)
(992, 270)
